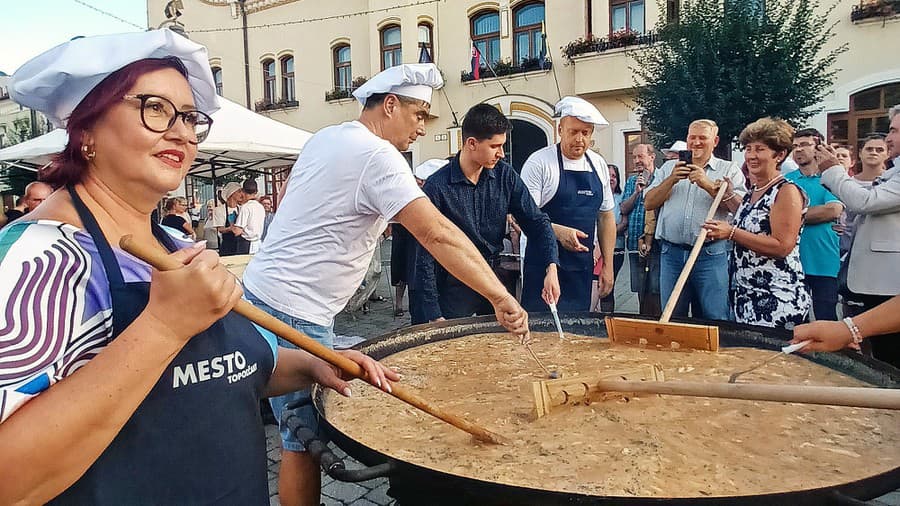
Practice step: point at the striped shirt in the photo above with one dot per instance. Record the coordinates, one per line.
(56, 310)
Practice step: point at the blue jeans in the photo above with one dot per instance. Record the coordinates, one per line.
(706, 290)
(824, 290)
(300, 401)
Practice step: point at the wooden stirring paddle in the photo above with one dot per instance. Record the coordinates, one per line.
(163, 262)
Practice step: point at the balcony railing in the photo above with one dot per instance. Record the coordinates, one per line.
(868, 9)
(622, 38)
(268, 105)
(507, 68)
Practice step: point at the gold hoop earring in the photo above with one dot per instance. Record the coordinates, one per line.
(88, 153)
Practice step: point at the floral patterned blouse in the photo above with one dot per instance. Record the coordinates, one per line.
(767, 291)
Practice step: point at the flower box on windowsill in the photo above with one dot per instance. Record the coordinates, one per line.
(871, 9)
(337, 95)
(505, 68)
(615, 40)
(265, 105)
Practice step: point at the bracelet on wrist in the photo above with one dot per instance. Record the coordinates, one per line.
(729, 197)
(731, 235)
(855, 336)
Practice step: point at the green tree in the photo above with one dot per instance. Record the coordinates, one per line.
(735, 62)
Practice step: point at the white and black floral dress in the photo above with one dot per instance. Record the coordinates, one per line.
(767, 291)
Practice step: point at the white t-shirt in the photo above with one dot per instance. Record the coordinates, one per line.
(251, 218)
(541, 175)
(344, 187)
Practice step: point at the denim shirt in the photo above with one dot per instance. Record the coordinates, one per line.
(680, 219)
(480, 210)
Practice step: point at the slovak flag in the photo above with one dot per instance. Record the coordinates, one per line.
(476, 62)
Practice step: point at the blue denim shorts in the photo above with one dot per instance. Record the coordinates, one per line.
(300, 399)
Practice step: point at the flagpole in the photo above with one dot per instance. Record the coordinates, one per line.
(491, 68)
(544, 58)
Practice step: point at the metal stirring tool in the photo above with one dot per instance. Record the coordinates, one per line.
(785, 350)
(556, 320)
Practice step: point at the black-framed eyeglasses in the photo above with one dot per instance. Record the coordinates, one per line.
(158, 114)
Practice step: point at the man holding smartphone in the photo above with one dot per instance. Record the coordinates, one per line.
(682, 192)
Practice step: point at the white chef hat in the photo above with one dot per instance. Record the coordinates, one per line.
(425, 169)
(413, 80)
(57, 80)
(230, 188)
(581, 109)
(676, 146)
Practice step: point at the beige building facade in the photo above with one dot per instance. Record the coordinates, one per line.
(15, 120)
(304, 56)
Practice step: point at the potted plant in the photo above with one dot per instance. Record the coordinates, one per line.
(622, 38)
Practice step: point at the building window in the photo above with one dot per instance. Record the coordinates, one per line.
(287, 79)
(755, 7)
(486, 35)
(269, 81)
(528, 30)
(672, 10)
(426, 43)
(626, 15)
(342, 73)
(391, 53)
(867, 116)
(589, 18)
(217, 78)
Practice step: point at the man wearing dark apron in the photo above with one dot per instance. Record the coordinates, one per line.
(225, 217)
(571, 185)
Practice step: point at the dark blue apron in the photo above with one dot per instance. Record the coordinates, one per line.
(576, 203)
(232, 244)
(197, 438)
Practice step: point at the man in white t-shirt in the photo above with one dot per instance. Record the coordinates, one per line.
(348, 182)
(570, 183)
(251, 217)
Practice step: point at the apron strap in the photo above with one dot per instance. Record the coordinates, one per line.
(559, 160)
(110, 263)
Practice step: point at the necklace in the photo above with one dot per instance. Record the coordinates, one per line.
(769, 184)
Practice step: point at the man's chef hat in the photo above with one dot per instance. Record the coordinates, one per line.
(413, 80)
(581, 109)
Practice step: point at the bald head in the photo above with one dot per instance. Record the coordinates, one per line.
(35, 193)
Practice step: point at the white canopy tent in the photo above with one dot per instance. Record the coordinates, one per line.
(36, 152)
(239, 140)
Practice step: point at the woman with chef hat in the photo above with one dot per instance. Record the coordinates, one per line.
(118, 384)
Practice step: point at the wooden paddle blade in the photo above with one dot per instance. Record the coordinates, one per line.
(633, 332)
(550, 394)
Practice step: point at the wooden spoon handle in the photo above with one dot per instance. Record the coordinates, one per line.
(163, 262)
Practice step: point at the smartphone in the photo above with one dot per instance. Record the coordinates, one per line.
(686, 156)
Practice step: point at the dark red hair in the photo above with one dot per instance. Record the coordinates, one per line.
(68, 166)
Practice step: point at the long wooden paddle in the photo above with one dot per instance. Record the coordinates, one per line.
(860, 397)
(664, 333)
(163, 262)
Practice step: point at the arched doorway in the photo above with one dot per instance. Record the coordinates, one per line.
(525, 139)
(867, 115)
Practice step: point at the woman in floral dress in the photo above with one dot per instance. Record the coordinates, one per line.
(767, 286)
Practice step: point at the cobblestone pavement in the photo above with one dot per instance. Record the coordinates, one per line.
(380, 320)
